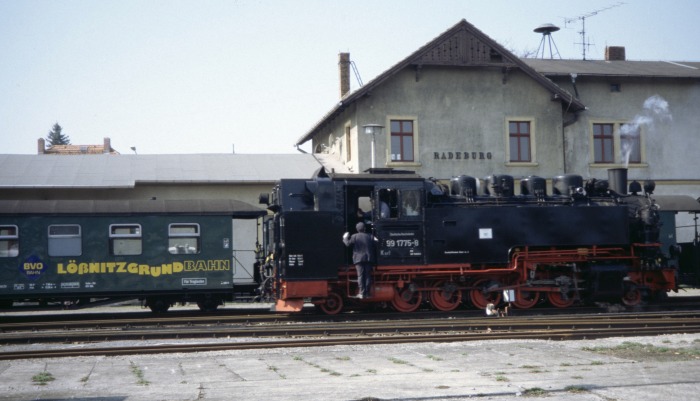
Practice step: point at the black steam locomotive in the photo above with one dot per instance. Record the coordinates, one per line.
(473, 242)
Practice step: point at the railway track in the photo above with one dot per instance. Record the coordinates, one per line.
(276, 334)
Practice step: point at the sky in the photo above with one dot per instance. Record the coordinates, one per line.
(246, 76)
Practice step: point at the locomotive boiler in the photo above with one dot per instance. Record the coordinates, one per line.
(468, 242)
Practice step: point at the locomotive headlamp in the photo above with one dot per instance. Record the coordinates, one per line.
(373, 129)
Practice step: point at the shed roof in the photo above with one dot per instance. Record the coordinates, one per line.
(125, 171)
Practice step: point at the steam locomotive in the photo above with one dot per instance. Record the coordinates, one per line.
(470, 242)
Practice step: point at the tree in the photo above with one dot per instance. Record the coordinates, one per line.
(55, 137)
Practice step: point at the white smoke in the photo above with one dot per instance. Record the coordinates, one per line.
(655, 111)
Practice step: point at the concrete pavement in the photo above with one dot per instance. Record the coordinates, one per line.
(643, 368)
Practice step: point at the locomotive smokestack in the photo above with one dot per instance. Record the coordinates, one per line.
(617, 179)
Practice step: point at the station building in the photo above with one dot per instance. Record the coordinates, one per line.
(464, 104)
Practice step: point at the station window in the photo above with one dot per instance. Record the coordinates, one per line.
(617, 142)
(65, 240)
(402, 140)
(125, 239)
(519, 141)
(183, 238)
(9, 241)
(603, 143)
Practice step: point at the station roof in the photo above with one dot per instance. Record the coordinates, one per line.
(616, 68)
(126, 171)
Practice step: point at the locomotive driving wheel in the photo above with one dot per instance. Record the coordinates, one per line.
(333, 304)
(407, 299)
(480, 296)
(445, 296)
(632, 296)
(525, 299)
(559, 300)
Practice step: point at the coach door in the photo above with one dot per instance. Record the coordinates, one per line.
(399, 223)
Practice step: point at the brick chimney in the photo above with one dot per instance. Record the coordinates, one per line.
(344, 67)
(614, 53)
(40, 146)
(107, 146)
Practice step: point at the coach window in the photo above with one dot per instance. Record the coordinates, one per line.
(9, 241)
(183, 238)
(65, 240)
(125, 239)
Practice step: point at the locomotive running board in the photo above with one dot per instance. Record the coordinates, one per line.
(289, 305)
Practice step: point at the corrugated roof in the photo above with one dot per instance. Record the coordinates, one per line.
(627, 68)
(124, 171)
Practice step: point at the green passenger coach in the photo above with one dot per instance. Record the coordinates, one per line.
(159, 251)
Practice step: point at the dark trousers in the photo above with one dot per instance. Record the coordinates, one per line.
(364, 278)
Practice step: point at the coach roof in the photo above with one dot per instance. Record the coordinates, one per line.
(226, 207)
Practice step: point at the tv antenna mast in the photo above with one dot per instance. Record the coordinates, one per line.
(584, 41)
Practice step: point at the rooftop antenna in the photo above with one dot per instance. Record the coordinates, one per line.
(357, 73)
(546, 31)
(584, 41)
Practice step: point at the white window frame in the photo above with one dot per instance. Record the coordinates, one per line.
(121, 239)
(65, 244)
(177, 249)
(7, 251)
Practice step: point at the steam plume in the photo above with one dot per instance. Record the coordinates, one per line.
(655, 110)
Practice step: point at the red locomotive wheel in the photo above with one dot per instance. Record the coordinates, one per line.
(445, 296)
(480, 297)
(632, 296)
(525, 299)
(407, 300)
(333, 305)
(557, 299)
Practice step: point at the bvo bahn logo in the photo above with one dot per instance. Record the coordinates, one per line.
(32, 267)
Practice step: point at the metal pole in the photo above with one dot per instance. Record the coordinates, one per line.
(372, 150)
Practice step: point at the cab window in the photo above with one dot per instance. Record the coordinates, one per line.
(388, 203)
(410, 203)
